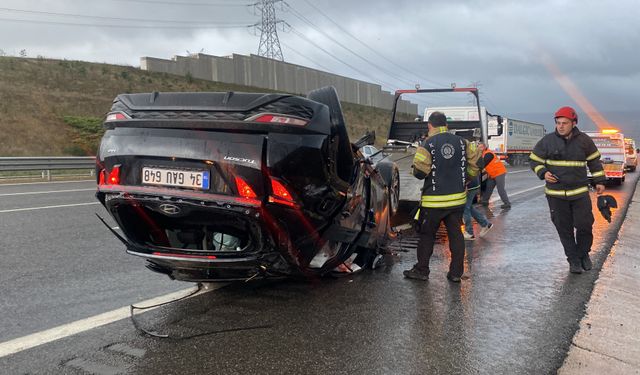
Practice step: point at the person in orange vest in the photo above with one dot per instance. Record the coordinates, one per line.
(496, 176)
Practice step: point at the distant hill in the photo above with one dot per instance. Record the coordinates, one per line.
(55, 107)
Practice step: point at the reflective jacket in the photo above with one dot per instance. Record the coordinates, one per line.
(444, 161)
(568, 160)
(494, 167)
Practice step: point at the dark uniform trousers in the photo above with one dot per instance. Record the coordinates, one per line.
(430, 219)
(567, 215)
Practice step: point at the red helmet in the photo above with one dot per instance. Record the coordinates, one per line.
(567, 112)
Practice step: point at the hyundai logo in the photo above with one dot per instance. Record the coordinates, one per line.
(170, 209)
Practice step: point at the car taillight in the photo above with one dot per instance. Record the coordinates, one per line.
(114, 175)
(115, 116)
(280, 119)
(111, 178)
(244, 189)
(280, 194)
(102, 179)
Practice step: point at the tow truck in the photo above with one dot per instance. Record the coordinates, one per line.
(404, 136)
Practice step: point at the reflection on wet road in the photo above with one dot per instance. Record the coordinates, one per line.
(516, 313)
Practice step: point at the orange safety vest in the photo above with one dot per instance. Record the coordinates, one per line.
(495, 167)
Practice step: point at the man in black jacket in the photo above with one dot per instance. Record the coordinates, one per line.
(560, 159)
(444, 161)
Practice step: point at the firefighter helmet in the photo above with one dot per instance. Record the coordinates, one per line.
(567, 112)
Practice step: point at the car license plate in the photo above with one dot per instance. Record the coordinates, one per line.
(175, 177)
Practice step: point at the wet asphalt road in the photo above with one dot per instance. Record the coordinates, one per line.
(516, 313)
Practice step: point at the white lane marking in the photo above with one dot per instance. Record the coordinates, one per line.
(516, 193)
(46, 192)
(46, 207)
(48, 182)
(524, 170)
(39, 338)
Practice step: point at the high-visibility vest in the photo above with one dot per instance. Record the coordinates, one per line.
(495, 167)
(444, 187)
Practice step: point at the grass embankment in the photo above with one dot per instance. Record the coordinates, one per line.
(55, 107)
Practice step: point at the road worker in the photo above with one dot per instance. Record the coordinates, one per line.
(444, 161)
(560, 159)
(496, 177)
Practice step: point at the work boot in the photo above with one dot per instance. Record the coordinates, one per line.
(416, 274)
(575, 266)
(453, 279)
(586, 262)
(505, 206)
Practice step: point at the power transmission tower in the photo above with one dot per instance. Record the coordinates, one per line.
(269, 42)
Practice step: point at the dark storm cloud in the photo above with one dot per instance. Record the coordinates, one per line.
(499, 44)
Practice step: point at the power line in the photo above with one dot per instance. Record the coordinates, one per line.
(234, 4)
(211, 26)
(307, 21)
(306, 58)
(107, 18)
(367, 46)
(299, 34)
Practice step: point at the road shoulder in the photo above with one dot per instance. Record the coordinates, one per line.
(608, 340)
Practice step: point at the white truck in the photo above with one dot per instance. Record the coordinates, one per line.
(610, 143)
(517, 140)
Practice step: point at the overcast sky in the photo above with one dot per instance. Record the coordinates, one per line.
(528, 57)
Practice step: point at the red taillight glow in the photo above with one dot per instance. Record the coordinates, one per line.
(111, 178)
(280, 194)
(114, 176)
(279, 119)
(102, 179)
(244, 189)
(115, 116)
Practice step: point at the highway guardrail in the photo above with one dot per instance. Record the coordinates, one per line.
(46, 163)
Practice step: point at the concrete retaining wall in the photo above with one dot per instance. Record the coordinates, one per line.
(276, 75)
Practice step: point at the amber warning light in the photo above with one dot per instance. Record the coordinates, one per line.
(609, 131)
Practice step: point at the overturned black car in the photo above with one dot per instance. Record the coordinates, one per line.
(234, 186)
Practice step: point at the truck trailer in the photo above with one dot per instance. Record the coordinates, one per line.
(517, 141)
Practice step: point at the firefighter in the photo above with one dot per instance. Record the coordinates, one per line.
(443, 160)
(496, 176)
(560, 159)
